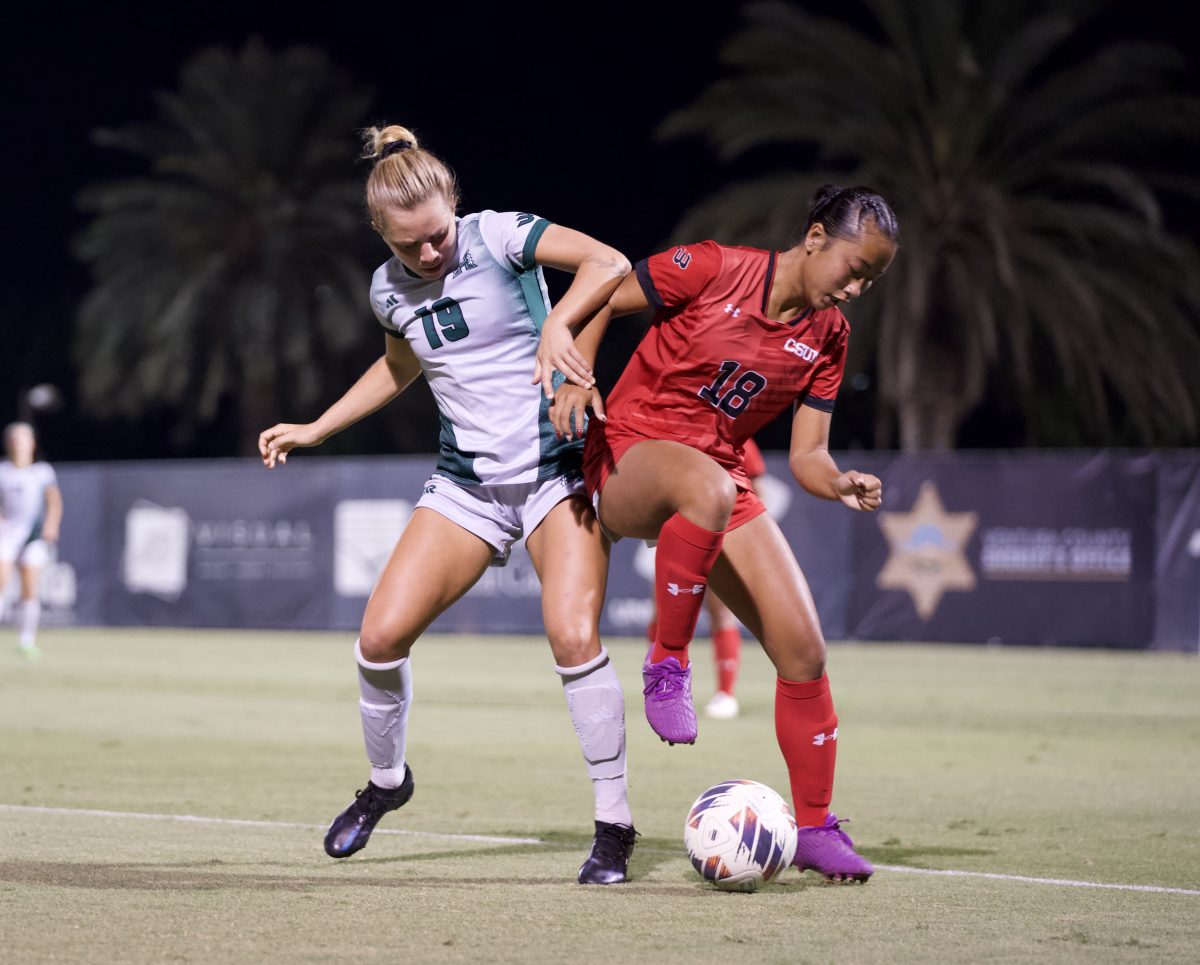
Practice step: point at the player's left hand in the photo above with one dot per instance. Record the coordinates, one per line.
(569, 406)
(556, 350)
(859, 490)
(275, 443)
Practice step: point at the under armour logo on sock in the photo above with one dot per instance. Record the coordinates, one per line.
(820, 739)
(674, 589)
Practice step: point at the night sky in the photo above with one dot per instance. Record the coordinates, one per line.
(535, 110)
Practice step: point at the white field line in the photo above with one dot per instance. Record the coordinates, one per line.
(239, 822)
(499, 839)
(1067, 882)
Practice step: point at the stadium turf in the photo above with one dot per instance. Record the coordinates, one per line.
(1030, 774)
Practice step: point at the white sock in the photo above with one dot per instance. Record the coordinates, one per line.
(597, 707)
(385, 695)
(29, 614)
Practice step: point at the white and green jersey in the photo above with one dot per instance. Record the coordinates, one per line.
(23, 501)
(475, 332)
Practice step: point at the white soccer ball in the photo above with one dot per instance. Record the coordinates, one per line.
(740, 834)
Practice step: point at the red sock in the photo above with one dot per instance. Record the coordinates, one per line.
(727, 651)
(806, 727)
(685, 554)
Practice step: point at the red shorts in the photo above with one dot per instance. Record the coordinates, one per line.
(752, 459)
(604, 450)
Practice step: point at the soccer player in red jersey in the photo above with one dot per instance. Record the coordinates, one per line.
(738, 335)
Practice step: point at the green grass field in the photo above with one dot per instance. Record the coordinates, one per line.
(1059, 766)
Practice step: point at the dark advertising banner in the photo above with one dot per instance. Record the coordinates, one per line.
(1022, 548)
(1177, 586)
(372, 501)
(215, 544)
(1029, 549)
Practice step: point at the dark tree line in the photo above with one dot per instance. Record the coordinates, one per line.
(1029, 170)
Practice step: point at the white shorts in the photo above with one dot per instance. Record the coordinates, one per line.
(499, 515)
(16, 547)
(609, 534)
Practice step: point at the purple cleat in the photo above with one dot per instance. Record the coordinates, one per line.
(668, 690)
(828, 849)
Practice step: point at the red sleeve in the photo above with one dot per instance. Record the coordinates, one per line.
(823, 390)
(673, 278)
(752, 459)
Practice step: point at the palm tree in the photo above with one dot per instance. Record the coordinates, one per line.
(1027, 163)
(229, 278)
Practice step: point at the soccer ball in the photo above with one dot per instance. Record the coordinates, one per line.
(740, 834)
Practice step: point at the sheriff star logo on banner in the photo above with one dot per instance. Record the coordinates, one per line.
(927, 551)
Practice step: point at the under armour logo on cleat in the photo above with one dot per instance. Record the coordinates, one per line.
(820, 739)
(674, 589)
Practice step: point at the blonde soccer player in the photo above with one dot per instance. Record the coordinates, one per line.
(462, 300)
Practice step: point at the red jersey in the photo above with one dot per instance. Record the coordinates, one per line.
(752, 459)
(713, 369)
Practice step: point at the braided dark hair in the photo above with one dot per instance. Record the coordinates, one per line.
(844, 212)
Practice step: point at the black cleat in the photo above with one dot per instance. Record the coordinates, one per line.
(608, 863)
(352, 828)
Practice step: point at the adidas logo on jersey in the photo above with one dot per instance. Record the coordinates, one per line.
(392, 302)
(806, 352)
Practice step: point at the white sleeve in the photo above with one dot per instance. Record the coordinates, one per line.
(512, 237)
(380, 290)
(50, 477)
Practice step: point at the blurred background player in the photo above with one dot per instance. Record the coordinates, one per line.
(31, 511)
(461, 302)
(739, 335)
(723, 627)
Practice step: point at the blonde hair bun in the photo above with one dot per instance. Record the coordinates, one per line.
(403, 174)
(375, 139)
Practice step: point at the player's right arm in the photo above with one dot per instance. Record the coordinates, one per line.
(392, 373)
